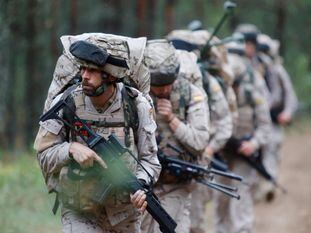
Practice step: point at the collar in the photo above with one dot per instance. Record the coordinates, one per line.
(114, 103)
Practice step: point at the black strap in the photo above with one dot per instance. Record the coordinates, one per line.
(130, 114)
(56, 204)
(117, 62)
(184, 45)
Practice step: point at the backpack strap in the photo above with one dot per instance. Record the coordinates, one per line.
(185, 97)
(130, 114)
(249, 87)
(67, 115)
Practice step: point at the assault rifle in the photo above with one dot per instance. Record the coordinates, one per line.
(187, 171)
(255, 160)
(116, 174)
(214, 162)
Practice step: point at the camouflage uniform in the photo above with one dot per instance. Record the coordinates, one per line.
(79, 212)
(237, 216)
(194, 41)
(221, 129)
(220, 114)
(192, 136)
(282, 92)
(283, 99)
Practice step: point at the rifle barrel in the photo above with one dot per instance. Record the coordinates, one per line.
(226, 174)
(223, 190)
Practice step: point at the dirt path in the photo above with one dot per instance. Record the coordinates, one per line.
(290, 213)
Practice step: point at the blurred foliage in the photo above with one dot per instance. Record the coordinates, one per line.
(30, 44)
(24, 202)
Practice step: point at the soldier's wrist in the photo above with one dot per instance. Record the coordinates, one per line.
(71, 150)
(171, 118)
(174, 123)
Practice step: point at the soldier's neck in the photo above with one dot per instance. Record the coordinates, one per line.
(102, 101)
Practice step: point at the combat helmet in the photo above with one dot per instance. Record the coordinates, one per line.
(162, 61)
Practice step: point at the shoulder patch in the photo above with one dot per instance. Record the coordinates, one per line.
(258, 101)
(197, 98)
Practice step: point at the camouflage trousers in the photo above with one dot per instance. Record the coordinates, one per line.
(176, 200)
(272, 151)
(271, 160)
(201, 195)
(232, 215)
(100, 222)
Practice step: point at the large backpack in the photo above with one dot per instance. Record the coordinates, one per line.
(66, 71)
(66, 74)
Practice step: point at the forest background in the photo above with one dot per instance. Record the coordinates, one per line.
(30, 45)
(29, 48)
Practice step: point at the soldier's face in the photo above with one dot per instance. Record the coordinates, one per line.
(162, 91)
(250, 49)
(92, 79)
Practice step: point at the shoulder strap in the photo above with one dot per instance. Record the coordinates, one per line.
(130, 113)
(185, 97)
(68, 115)
(248, 90)
(205, 80)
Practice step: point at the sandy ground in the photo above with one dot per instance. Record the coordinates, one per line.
(290, 213)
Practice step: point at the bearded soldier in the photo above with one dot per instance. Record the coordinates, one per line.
(182, 119)
(101, 101)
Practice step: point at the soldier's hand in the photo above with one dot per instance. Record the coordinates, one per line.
(247, 148)
(164, 108)
(84, 155)
(284, 118)
(138, 199)
(207, 155)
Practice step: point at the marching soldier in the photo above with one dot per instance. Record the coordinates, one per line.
(182, 119)
(100, 100)
(237, 216)
(283, 104)
(220, 116)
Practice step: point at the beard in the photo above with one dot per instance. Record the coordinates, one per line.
(164, 96)
(88, 89)
(92, 91)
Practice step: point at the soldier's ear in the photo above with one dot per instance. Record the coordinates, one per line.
(112, 78)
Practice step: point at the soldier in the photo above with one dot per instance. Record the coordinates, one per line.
(283, 104)
(216, 64)
(220, 117)
(260, 62)
(182, 119)
(233, 216)
(100, 101)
